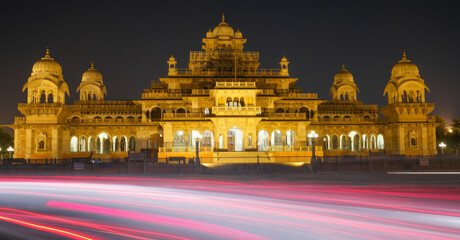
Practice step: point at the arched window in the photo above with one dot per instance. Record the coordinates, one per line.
(290, 138)
(119, 119)
(97, 119)
(179, 139)
(91, 144)
(155, 113)
(354, 141)
(131, 119)
(123, 144)
(192, 136)
(365, 142)
(279, 110)
(180, 110)
(50, 98)
(413, 142)
(75, 119)
(373, 142)
(208, 140)
(104, 143)
(74, 144)
(380, 144)
(41, 145)
(327, 142)
(108, 119)
(343, 142)
(367, 118)
(335, 142)
(206, 111)
(82, 144)
(132, 144)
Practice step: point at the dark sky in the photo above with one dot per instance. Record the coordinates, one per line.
(130, 42)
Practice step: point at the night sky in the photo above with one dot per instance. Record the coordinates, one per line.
(130, 42)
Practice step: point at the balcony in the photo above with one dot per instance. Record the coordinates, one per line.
(299, 95)
(236, 111)
(235, 84)
(183, 116)
(214, 72)
(286, 116)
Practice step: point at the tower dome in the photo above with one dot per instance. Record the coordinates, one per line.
(223, 29)
(47, 65)
(344, 88)
(343, 76)
(405, 68)
(209, 34)
(92, 75)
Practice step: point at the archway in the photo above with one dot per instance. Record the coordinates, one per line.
(179, 140)
(91, 144)
(335, 142)
(104, 142)
(157, 141)
(74, 144)
(263, 141)
(380, 144)
(277, 138)
(123, 144)
(208, 139)
(290, 138)
(192, 136)
(235, 139)
(354, 141)
(82, 144)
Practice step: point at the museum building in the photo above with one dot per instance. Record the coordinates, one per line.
(234, 110)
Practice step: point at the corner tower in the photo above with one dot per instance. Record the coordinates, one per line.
(46, 83)
(410, 130)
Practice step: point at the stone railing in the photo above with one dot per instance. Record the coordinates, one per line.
(172, 116)
(239, 111)
(285, 115)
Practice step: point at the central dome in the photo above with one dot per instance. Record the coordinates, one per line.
(92, 75)
(404, 67)
(47, 65)
(223, 29)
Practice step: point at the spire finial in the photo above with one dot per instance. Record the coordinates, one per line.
(92, 64)
(404, 55)
(47, 52)
(223, 18)
(343, 67)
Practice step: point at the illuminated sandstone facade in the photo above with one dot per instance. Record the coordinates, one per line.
(234, 108)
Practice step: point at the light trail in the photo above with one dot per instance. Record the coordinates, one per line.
(111, 207)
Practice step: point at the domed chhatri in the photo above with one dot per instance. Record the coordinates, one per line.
(46, 83)
(47, 65)
(405, 83)
(223, 29)
(344, 88)
(91, 86)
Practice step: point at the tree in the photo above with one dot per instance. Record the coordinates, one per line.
(6, 140)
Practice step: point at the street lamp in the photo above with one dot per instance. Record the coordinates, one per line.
(442, 146)
(197, 145)
(312, 136)
(10, 150)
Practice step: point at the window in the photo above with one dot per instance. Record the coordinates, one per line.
(41, 145)
(74, 144)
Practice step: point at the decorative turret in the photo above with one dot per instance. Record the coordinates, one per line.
(284, 66)
(46, 83)
(91, 86)
(344, 88)
(172, 66)
(405, 85)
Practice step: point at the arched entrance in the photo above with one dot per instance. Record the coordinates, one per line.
(156, 141)
(235, 139)
(263, 141)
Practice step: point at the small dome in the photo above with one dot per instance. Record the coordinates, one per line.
(209, 34)
(223, 29)
(92, 75)
(404, 67)
(172, 58)
(47, 65)
(238, 34)
(343, 76)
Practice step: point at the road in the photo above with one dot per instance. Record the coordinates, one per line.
(194, 207)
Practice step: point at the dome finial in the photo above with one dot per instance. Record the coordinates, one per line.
(92, 64)
(404, 55)
(343, 67)
(223, 18)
